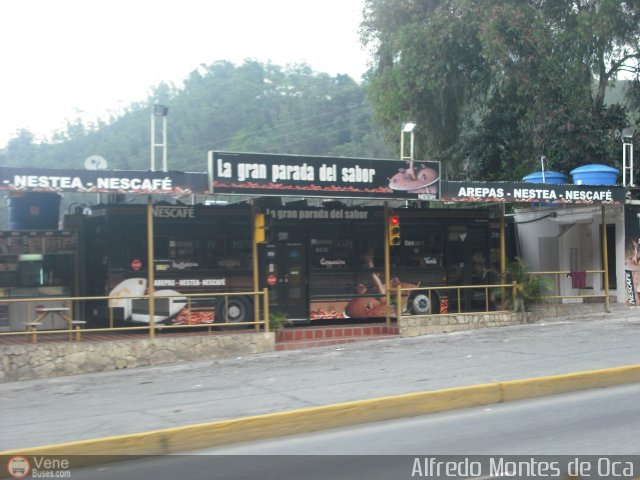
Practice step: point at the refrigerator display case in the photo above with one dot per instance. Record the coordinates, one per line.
(35, 264)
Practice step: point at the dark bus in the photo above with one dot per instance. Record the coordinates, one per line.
(318, 263)
(328, 263)
(197, 249)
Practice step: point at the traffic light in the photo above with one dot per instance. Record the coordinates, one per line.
(393, 230)
(259, 228)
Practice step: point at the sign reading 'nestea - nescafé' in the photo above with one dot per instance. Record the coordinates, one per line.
(513, 192)
(270, 174)
(102, 181)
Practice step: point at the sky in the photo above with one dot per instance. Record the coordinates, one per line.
(70, 59)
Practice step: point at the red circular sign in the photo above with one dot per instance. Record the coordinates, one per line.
(272, 280)
(136, 264)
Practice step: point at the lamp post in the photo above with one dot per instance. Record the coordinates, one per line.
(159, 111)
(627, 155)
(407, 128)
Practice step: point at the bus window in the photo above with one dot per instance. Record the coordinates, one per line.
(420, 249)
(372, 252)
(134, 247)
(228, 253)
(456, 254)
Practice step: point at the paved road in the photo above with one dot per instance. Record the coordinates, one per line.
(44, 411)
(553, 429)
(578, 423)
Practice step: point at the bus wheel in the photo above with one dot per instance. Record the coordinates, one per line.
(421, 304)
(235, 310)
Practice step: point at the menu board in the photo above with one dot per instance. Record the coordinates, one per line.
(333, 253)
(425, 251)
(41, 241)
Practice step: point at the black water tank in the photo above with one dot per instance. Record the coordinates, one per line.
(34, 210)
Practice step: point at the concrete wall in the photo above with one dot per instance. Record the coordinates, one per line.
(23, 362)
(551, 312)
(427, 324)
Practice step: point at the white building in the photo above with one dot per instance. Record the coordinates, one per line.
(568, 238)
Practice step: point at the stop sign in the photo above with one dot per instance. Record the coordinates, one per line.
(136, 264)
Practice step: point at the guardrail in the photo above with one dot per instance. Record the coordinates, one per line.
(498, 296)
(566, 273)
(494, 295)
(75, 327)
(495, 298)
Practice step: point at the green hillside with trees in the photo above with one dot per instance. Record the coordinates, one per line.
(492, 87)
(251, 107)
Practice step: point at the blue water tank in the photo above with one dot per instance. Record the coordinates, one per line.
(549, 177)
(595, 174)
(34, 210)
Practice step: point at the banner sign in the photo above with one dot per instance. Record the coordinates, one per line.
(516, 192)
(305, 214)
(293, 175)
(101, 181)
(632, 254)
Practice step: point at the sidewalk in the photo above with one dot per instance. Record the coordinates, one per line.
(63, 409)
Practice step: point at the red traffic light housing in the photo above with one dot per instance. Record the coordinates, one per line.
(393, 231)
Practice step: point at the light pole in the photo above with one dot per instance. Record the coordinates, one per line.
(407, 128)
(159, 111)
(627, 155)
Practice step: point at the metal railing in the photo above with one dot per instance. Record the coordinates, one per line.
(494, 298)
(500, 295)
(557, 275)
(260, 304)
(494, 294)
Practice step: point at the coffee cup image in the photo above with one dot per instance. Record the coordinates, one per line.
(367, 305)
(173, 305)
(421, 179)
(364, 307)
(122, 294)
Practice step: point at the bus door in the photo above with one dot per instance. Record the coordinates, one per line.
(287, 279)
(467, 262)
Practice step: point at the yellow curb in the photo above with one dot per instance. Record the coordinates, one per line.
(226, 432)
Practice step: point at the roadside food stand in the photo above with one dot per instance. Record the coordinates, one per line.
(390, 189)
(40, 263)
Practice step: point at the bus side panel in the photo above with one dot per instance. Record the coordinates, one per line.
(198, 250)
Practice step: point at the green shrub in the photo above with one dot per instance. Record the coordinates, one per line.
(529, 288)
(278, 320)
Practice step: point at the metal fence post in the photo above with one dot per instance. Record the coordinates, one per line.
(266, 309)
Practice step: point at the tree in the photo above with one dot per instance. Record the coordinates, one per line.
(429, 67)
(536, 69)
(21, 149)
